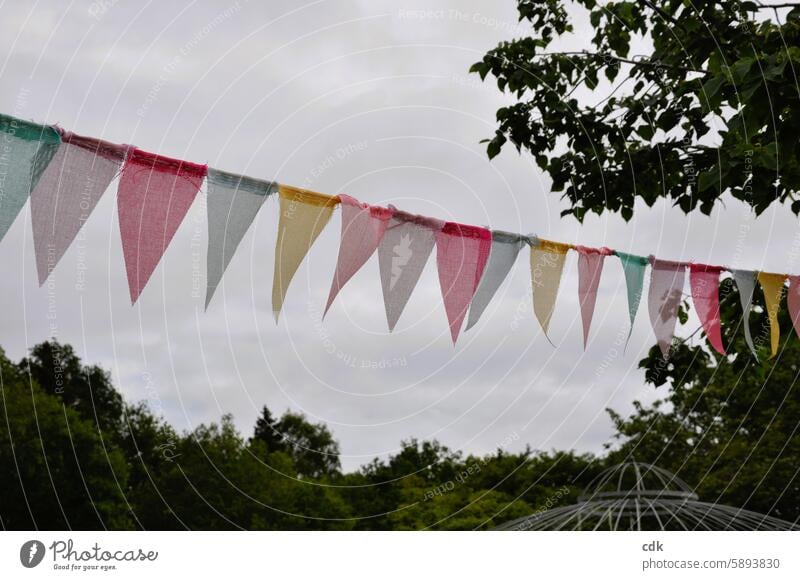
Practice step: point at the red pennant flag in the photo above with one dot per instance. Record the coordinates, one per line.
(461, 255)
(155, 192)
(590, 267)
(704, 280)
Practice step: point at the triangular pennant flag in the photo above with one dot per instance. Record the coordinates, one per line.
(547, 265)
(666, 292)
(793, 302)
(590, 268)
(704, 281)
(772, 285)
(505, 248)
(746, 283)
(461, 255)
(634, 267)
(67, 193)
(155, 192)
(25, 153)
(363, 227)
(402, 254)
(233, 202)
(304, 214)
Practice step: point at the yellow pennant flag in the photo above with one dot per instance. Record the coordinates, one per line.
(304, 214)
(547, 264)
(772, 285)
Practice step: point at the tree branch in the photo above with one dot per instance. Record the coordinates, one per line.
(773, 6)
(625, 60)
(661, 12)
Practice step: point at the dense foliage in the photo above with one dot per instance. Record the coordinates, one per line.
(74, 454)
(728, 425)
(669, 99)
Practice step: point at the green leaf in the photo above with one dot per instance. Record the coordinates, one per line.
(708, 179)
(746, 95)
(740, 69)
(495, 145)
(646, 132)
(712, 85)
(775, 71)
(766, 156)
(481, 68)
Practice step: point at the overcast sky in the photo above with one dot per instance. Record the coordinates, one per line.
(368, 98)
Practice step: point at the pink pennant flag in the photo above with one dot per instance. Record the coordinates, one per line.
(666, 291)
(704, 280)
(67, 193)
(461, 255)
(155, 192)
(590, 267)
(363, 227)
(793, 302)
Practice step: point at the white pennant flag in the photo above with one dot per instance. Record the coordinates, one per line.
(403, 252)
(67, 193)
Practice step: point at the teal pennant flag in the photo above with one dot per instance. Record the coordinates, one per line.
(25, 151)
(634, 267)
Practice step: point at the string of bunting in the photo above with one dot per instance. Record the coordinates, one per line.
(65, 175)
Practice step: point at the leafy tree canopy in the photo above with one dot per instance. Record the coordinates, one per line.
(87, 389)
(729, 426)
(312, 447)
(670, 99)
(726, 425)
(55, 472)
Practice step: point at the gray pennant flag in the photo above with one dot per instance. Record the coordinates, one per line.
(505, 249)
(746, 283)
(233, 202)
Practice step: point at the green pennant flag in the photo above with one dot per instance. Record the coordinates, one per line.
(25, 151)
(634, 267)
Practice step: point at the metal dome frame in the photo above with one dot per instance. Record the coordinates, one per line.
(642, 496)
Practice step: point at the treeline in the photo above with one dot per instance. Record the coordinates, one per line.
(74, 454)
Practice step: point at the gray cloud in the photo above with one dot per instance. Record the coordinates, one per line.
(357, 97)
